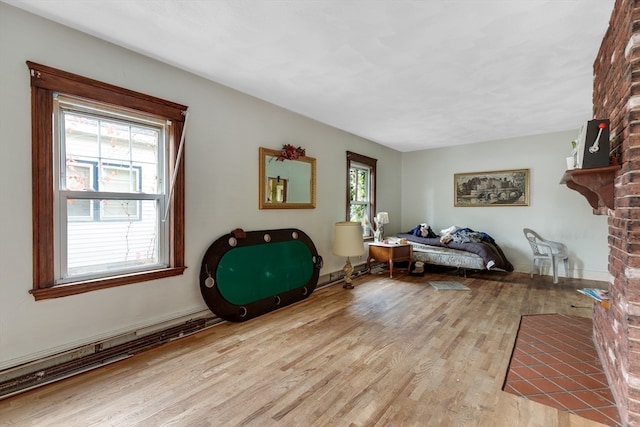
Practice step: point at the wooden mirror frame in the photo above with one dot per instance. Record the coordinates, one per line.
(263, 180)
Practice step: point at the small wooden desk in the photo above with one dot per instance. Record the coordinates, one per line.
(389, 252)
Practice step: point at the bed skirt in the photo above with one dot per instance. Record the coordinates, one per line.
(447, 257)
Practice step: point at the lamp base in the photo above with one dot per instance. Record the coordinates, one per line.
(348, 271)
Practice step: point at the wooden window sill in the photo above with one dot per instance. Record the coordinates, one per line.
(94, 285)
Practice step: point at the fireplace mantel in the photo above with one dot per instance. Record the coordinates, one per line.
(595, 184)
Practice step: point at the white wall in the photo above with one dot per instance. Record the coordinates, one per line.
(555, 212)
(224, 132)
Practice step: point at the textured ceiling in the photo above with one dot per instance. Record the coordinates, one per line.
(407, 74)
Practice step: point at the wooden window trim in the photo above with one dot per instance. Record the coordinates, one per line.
(365, 160)
(44, 82)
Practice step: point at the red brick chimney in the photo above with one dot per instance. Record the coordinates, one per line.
(616, 96)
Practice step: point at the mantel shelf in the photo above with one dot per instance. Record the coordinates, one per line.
(595, 184)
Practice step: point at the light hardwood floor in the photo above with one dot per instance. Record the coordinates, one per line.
(391, 352)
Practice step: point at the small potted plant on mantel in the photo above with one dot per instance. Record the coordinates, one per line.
(572, 160)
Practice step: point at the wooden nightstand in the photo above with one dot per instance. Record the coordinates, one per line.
(389, 252)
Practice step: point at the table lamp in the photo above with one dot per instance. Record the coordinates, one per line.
(381, 219)
(347, 241)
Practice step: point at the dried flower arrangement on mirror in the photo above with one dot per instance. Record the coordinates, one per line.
(289, 152)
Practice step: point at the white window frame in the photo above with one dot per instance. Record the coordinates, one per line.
(63, 104)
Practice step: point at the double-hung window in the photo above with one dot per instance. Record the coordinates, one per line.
(110, 190)
(361, 189)
(103, 162)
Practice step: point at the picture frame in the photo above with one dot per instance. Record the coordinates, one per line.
(494, 188)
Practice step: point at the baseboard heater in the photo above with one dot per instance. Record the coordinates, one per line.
(92, 356)
(38, 373)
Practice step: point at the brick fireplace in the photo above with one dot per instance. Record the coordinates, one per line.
(616, 96)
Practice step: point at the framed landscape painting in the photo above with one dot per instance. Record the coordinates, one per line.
(497, 188)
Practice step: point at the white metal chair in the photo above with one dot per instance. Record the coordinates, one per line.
(547, 250)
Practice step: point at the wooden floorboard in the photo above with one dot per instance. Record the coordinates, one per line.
(391, 352)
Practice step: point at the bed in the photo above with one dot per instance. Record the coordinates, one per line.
(457, 249)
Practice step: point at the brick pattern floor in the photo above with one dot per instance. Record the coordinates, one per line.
(555, 363)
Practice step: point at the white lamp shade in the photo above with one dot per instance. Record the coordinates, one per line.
(347, 239)
(382, 218)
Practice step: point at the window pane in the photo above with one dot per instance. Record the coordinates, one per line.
(81, 152)
(114, 140)
(79, 210)
(101, 246)
(358, 212)
(359, 179)
(119, 179)
(127, 154)
(79, 176)
(81, 136)
(145, 148)
(363, 187)
(120, 209)
(353, 184)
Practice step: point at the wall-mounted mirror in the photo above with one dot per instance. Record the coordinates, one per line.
(286, 184)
